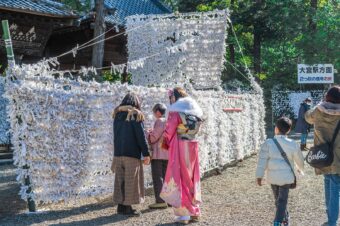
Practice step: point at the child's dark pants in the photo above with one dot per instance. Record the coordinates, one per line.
(158, 168)
(281, 200)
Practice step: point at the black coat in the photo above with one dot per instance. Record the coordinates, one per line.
(301, 125)
(129, 137)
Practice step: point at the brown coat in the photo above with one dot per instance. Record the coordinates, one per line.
(325, 118)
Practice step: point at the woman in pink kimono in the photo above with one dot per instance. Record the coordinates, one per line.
(181, 188)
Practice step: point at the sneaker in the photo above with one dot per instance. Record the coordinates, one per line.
(183, 219)
(158, 206)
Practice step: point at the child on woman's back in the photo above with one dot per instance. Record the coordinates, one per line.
(159, 160)
(279, 169)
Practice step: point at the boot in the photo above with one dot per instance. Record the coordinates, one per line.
(131, 212)
(303, 147)
(277, 223)
(120, 209)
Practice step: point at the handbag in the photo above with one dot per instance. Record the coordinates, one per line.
(322, 155)
(284, 155)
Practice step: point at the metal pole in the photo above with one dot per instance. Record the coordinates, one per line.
(11, 63)
(8, 43)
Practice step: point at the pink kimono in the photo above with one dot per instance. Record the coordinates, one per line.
(181, 188)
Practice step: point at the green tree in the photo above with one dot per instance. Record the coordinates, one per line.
(321, 43)
(277, 35)
(81, 6)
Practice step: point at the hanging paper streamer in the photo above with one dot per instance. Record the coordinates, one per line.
(65, 135)
(197, 41)
(4, 124)
(287, 103)
(62, 129)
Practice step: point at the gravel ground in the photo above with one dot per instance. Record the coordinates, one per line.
(229, 199)
(10, 202)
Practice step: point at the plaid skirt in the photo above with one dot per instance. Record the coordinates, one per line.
(129, 181)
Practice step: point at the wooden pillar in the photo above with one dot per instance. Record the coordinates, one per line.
(98, 49)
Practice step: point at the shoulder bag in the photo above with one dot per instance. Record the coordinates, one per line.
(322, 155)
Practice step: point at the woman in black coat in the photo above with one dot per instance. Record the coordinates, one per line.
(130, 145)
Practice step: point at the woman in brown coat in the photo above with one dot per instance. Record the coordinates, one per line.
(325, 118)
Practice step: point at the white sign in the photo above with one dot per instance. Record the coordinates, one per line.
(316, 73)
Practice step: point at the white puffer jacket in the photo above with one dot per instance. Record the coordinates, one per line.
(272, 163)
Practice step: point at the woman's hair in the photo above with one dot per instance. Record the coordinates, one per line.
(132, 100)
(179, 93)
(284, 124)
(333, 95)
(159, 107)
(308, 100)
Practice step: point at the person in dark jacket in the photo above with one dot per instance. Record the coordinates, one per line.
(130, 145)
(302, 126)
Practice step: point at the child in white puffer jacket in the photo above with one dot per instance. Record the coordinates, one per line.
(278, 172)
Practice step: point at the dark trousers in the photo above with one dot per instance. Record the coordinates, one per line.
(281, 199)
(158, 168)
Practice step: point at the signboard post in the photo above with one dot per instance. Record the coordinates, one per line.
(315, 74)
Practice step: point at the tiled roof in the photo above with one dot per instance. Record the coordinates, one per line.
(42, 7)
(125, 8)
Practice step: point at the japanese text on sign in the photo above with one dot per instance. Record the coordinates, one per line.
(316, 73)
